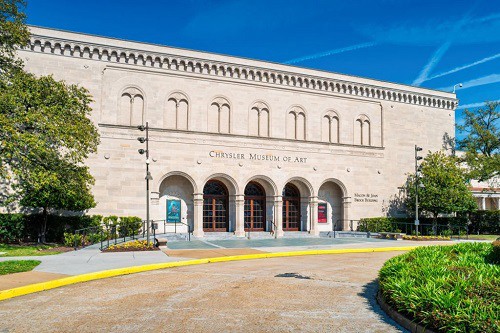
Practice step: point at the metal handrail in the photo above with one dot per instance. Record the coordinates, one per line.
(165, 223)
(274, 228)
(247, 226)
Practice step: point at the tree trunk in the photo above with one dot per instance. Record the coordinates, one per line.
(434, 223)
(43, 229)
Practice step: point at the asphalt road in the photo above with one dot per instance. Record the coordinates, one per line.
(326, 293)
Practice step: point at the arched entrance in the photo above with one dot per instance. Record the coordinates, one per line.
(291, 208)
(255, 207)
(215, 206)
(175, 187)
(331, 206)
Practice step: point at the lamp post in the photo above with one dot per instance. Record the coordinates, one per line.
(455, 86)
(148, 174)
(417, 185)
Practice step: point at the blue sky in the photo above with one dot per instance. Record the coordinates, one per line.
(433, 44)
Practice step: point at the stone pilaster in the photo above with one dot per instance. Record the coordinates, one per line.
(346, 203)
(313, 208)
(278, 215)
(240, 215)
(198, 215)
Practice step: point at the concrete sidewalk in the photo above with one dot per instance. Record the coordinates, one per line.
(91, 259)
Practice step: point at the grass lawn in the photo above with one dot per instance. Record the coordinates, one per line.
(28, 250)
(484, 237)
(17, 266)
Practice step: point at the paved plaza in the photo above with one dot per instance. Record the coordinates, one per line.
(323, 293)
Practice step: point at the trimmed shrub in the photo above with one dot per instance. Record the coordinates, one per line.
(494, 257)
(72, 240)
(11, 228)
(129, 225)
(15, 228)
(445, 288)
(485, 222)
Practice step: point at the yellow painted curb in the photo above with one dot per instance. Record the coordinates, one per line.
(33, 288)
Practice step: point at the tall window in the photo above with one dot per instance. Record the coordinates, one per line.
(362, 131)
(219, 116)
(131, 107)
(258, 124)
(291, 208)
(296, 124)
(176, 113)
(215, 206)
(330, 128)
(255, 207)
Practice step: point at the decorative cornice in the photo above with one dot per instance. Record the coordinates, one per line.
(87, 50)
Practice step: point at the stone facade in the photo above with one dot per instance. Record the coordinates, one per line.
(342, 142)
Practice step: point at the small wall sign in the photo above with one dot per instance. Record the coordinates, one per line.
(173, 211)
(322, 212)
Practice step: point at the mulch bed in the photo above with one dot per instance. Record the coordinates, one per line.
(130, 249)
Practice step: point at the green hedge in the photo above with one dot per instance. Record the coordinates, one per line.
(482, 222)
(445, 288)
(15, 228)
(485, 222)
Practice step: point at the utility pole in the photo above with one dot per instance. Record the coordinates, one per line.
(148, 174)
(417, 185)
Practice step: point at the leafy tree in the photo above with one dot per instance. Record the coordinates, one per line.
(444, 187)
(482, 141)
(13, 33)
(45, 137)
(45, 131)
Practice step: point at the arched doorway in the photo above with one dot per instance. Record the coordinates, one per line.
(215, 206)
(175, 187)
(331, 205)
(255, 207)
(291, 208)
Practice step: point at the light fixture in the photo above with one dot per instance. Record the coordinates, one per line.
(455, 86)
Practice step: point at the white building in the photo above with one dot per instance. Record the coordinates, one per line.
(242, 143)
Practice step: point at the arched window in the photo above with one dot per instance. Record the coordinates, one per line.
(330, 127)
(291, 208)
(177, 112)
(219, 116)
(362, 131)
(258, 124)
(255, 207)
(296, 124)
(215, 206)
(131, 111)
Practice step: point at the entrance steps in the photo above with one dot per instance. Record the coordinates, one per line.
(298, 234)
(173, 237)
(346, 234)
(253, 235)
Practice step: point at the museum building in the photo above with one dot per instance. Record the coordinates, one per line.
(241, 145)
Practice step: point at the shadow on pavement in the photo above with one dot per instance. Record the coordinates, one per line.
(369, 293)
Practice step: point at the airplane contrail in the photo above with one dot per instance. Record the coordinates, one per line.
(473, 105)
(331, 52)
(456, 69)
(481, 81)
(436, 57)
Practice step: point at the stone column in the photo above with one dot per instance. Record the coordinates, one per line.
(498, 203)
(278, 215)
(483, 203)
(198, 215)
(346, 203)
(240, 215)
(313, 210)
